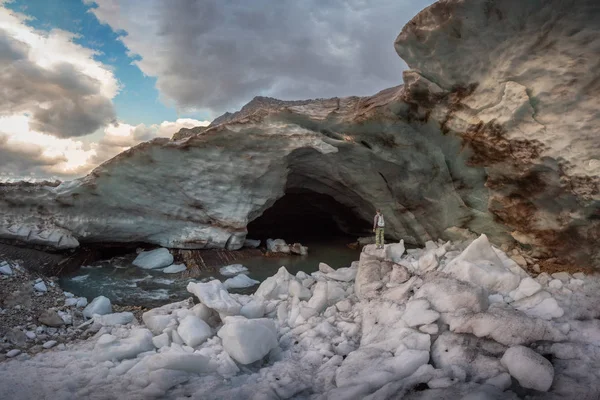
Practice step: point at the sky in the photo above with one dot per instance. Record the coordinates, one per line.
(83, 80)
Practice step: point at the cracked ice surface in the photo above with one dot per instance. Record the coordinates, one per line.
(377, 330)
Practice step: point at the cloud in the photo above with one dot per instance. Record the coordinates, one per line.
(54, 81)
(26, 153)
(120, 137)
(218, 54)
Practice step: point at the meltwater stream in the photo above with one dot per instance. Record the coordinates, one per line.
(125, 284)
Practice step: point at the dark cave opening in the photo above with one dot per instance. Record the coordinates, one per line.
(307, 216)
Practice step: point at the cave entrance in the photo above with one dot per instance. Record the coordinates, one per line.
(304, 216)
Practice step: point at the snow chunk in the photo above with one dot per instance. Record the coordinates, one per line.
(448, 295)
(527, 287)
(40, 287)
(394, 251)
(153, 259)
(477, 357)
(506, 326)
(233, 269)
(275, 286)
(479, 264)
(240, 281)
(540, 305)
(100, 305)
(529, 368)
(193, 330)
(110, 348)
(343, 274)
(278, 246)
(161, 340)
(174, 269)
(5, 269)
(248, 340)
(418, 313)
(326, 269)
(122, 318)
(253, 309)
(189, 362)
(214, 295)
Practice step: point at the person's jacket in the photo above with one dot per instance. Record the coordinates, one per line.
(376, 222)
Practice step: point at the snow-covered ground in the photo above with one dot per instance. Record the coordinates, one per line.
(445, 322)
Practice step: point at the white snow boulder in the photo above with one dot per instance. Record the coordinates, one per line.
(214, 295)
(251, 243)
(233, 269)
(278, 246)
(194, 331)
(239, 282)
(343, 274)
(109, 347)
(527, 287)
(253, 309)
(122, 318)
(248, 340)
(5, 269)
(153, 259)
(394, 251)
(100, 305)
(448, 295)
(480, 265)
(189, 362)
(174, 269)
(529, 368)
(40, 287)
(275, 286)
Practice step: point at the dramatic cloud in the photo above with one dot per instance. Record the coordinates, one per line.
(218, 54)
(26, 153)
(54, 81)
(118, 138)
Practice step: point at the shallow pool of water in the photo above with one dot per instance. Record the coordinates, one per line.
(125, 284)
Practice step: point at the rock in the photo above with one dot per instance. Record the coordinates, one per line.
(5, 269)
(49, 344)
(40, 287)
(214, 295)
(174, 269)
(239, 281)
(30, 335)
(13, 353)
(16, 337)
(564, 277)
(51, 318)
(519, 259)
(193, 330)
(248, 340)
(153, 259)
(100, 305)
(529, 368)
(233, 269)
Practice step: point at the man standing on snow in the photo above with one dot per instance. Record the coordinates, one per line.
(378, 226)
